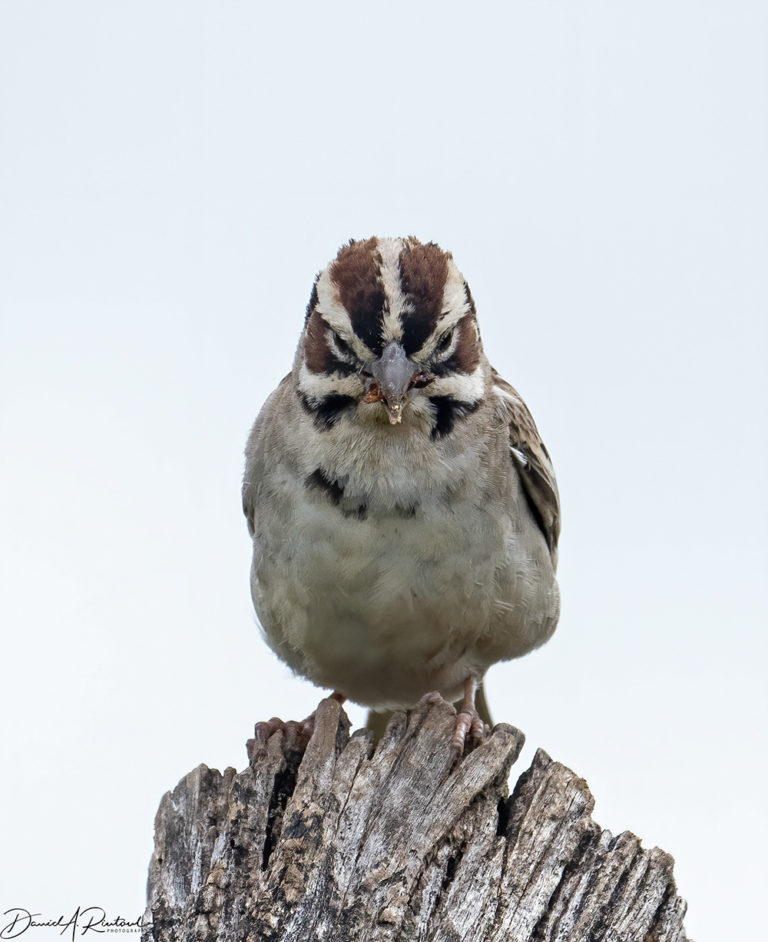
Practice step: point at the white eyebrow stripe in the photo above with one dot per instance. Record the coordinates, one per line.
(330, 306)
(455, 292)
(337, 317)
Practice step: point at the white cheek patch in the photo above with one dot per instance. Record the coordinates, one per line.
(467, 387)
(318, 385)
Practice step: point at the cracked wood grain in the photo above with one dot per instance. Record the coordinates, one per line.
(339, 841)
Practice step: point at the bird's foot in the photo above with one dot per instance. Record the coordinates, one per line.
(263, 732)
(470, 729)
(297, 732)
(307, 725)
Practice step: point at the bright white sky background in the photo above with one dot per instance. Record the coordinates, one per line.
(172, 175)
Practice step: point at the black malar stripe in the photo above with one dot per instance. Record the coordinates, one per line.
(448, 412)
(326, 410)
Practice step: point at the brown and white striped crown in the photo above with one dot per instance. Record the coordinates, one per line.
(385, 298)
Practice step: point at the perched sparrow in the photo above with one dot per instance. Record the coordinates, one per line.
(403, 508)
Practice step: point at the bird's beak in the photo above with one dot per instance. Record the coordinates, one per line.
(394, 374)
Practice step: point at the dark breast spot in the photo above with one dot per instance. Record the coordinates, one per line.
(320, 481)
(334, 491)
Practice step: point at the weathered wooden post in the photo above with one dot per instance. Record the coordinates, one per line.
(344, 842)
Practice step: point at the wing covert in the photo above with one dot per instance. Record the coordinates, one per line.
(532, 461)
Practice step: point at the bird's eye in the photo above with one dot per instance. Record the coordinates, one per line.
(445, 341)
(341, 345)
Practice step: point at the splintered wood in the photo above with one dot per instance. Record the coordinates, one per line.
(344, 842)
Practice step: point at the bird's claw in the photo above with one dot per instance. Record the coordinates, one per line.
(469, 731)
(298, 732)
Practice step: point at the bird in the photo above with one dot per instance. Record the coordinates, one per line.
(402, 506)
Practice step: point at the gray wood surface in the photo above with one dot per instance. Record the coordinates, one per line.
(343, 842)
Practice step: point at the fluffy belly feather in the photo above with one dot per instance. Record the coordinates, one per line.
(387, 605)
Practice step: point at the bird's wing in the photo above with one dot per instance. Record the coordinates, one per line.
(532, 461)
(256, 457)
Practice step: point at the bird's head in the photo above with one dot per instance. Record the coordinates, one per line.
(391, 330)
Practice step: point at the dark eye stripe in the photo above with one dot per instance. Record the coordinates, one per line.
(466, 356)
(339, 367)
(318, 355)
(344, 367)
(342, 344)
(334, 363)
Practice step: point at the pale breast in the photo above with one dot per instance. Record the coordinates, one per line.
(387, 586)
